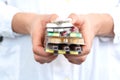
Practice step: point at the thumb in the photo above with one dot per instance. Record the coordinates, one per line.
(53, 17)
(74, 17)
(77, 20)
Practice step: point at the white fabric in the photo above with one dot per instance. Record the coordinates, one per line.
(6, 15)
(116, 18)
(16, 56)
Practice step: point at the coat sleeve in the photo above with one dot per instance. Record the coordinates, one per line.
(6, 14)
(115, 13)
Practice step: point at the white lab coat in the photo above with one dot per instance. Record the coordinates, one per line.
(16, 56)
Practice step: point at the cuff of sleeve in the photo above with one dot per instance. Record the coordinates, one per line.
(6, 14)
(116, 18)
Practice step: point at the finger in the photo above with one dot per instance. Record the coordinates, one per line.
(42, 59)
(39, 59)
(39, 50)
(38, 39)
(71, 56)
(74, 62)
(77, 60)
(77, 20)
(86, 50)
(38, 45)
(38, 33)
(74, 17)
(53, 17)
(88, 39)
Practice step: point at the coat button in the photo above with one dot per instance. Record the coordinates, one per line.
(1, 38)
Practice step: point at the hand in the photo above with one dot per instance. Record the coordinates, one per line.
(90, 25)
(34, 24)
(38, 32)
